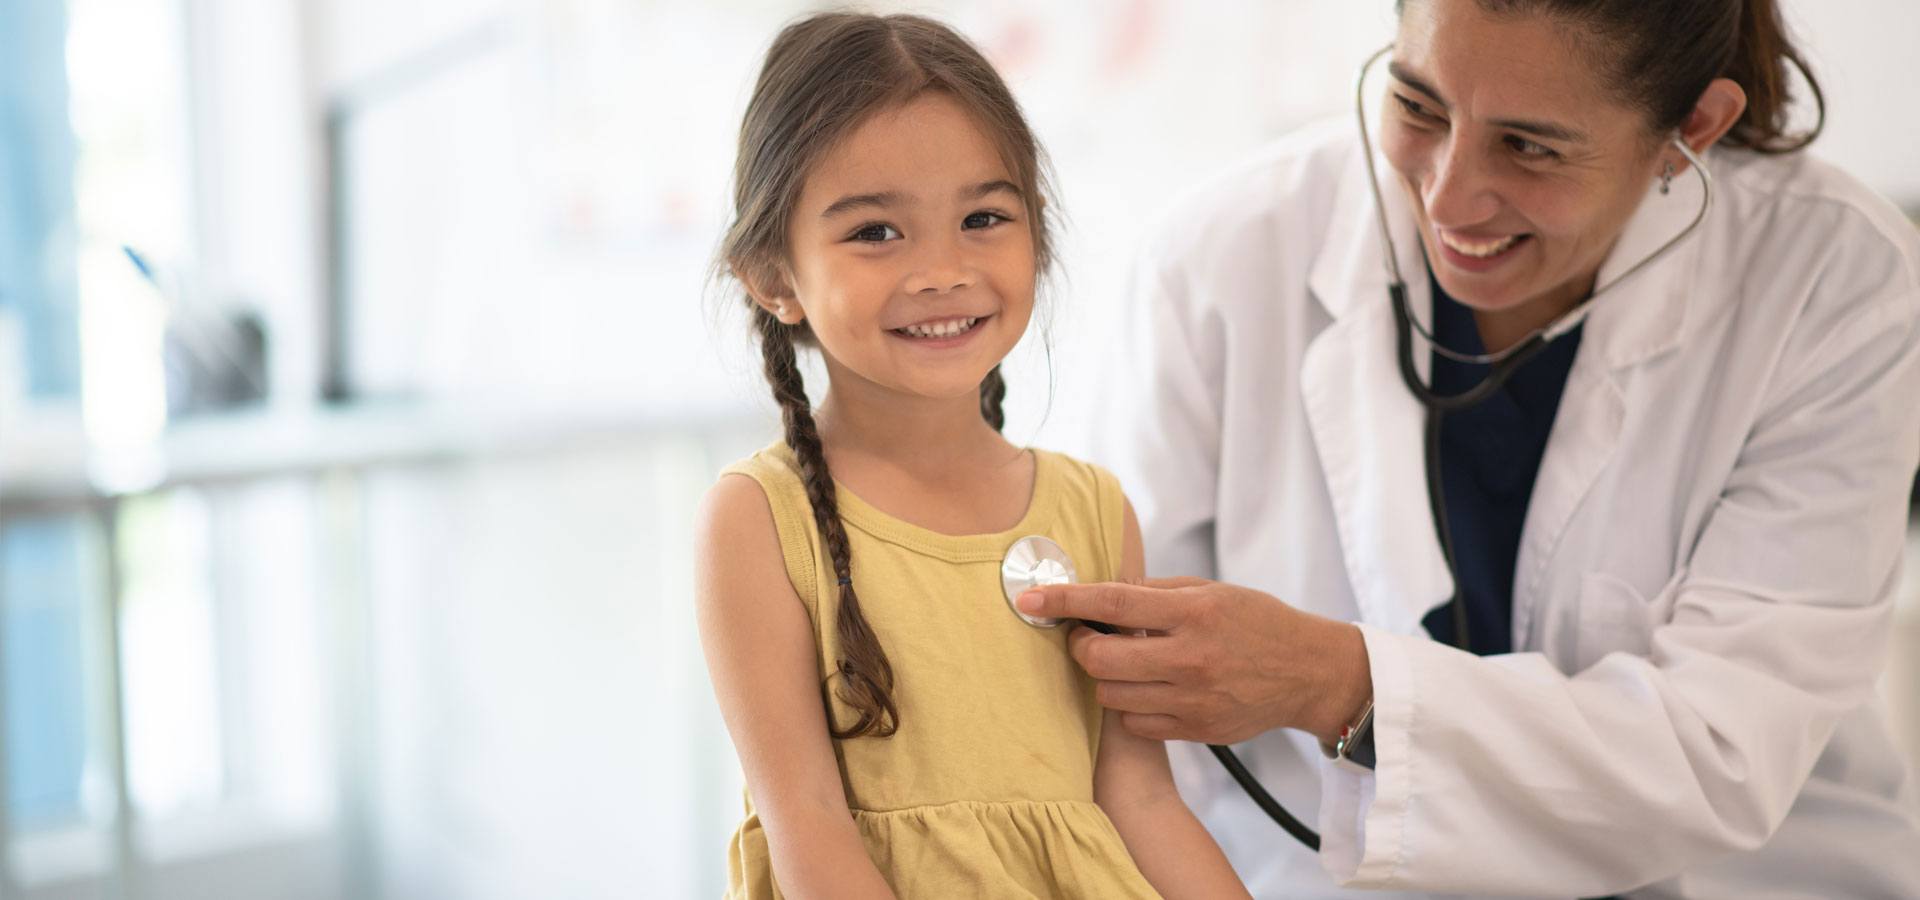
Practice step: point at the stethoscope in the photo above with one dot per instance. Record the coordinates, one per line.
(1036, 561)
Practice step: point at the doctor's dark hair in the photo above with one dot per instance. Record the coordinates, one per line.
(1663, 53)
(824, 76)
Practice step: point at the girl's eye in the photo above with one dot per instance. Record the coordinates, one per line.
(875, 233)
(1531, 150)
(983, 219)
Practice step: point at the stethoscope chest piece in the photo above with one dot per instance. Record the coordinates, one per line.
(1034, 562)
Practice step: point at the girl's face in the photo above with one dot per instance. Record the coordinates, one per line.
(1522, 167)
(910, 253)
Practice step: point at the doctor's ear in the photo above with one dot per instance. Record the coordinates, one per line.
(772, 292)
(1714, 114)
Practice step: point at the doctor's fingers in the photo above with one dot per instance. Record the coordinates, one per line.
(1127, 606)
(1125, 657)
(1145, 697)
(1162, 727)
(1156, 727)
(1184, 581)
(1178, 712)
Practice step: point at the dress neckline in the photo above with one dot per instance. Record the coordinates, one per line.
(958, 548)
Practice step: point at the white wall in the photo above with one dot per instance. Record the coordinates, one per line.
(1866, 54)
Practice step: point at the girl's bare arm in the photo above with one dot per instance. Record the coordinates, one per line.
(1134, 785)
(760, 653)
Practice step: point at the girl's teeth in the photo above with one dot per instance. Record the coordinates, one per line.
(949, 328)
(1480, 249)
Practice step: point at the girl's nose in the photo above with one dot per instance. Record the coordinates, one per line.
(942, 267)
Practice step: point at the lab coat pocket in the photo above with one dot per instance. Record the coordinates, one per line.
(1614, 618)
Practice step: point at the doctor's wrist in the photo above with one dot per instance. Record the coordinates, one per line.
(1347, 687)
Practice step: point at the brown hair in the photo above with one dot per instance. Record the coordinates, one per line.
(1664, 54)
(823, 76)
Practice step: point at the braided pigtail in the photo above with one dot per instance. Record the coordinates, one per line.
(866, 677)
(993, 392)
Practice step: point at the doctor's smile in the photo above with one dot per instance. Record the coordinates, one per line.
(1477, 256)
(1478, 249)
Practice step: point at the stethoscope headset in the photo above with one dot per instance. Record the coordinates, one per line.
(1036, 561)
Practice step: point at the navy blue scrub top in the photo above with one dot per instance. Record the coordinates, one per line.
(1489, 457)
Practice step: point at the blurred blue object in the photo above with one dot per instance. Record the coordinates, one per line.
(38, 271)
(43, 582)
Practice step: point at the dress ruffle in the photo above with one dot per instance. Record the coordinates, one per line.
(1043, 849)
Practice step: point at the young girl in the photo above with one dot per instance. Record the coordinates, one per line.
(903, 732)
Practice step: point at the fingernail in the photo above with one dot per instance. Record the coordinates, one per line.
(1029, 602)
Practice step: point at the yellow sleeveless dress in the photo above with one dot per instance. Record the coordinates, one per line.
(986, 790)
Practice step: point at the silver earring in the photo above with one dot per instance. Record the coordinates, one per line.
(1666, 181)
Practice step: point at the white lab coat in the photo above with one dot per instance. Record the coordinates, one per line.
(1705, 578)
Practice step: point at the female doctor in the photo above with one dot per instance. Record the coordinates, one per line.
(1668, 541)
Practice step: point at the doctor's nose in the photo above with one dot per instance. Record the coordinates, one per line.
(1460, 192)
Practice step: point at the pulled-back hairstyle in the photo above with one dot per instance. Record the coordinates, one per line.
(823, 77)
(1663, 53)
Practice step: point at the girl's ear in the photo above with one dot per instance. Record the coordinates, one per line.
(772, 292)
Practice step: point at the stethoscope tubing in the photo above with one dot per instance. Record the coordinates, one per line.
(1248, 783)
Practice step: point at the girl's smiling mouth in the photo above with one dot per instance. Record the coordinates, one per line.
(941, 332)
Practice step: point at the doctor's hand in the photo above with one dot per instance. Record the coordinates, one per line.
(1219, 664)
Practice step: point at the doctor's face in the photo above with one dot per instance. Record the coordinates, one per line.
(1522, 167)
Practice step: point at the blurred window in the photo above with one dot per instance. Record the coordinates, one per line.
(45, 562)
(47, 568)
(39, 308)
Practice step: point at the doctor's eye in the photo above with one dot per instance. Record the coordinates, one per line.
(983, 219)
(875, 233)
(1531, 150)
(1413, 108)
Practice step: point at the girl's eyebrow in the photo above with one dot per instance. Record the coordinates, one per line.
(881, 200)
(988, 187)
(886, 199)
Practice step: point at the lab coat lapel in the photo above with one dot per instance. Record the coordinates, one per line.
(1642, 318)
(1367, 427)
(1586, 431)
